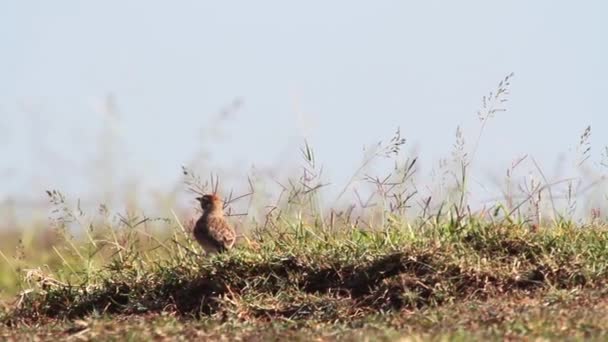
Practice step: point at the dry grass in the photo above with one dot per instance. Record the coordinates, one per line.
(446, 281)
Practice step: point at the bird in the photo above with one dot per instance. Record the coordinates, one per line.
(212, 231)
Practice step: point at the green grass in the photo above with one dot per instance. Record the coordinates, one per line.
(471, 280)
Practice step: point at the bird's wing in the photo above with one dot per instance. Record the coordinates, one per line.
(220, 231)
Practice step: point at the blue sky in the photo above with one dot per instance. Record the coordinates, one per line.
(342, 73)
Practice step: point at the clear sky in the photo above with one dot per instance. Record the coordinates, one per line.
(342, 73)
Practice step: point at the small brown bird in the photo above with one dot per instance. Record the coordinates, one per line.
(212, 231)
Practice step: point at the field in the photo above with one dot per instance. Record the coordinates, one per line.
(452, 281)
(401, 264)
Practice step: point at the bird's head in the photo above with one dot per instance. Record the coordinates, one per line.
(210, 202)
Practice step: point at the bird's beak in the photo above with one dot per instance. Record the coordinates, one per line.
(199, 199)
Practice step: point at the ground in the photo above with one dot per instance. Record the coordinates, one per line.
(455, 281)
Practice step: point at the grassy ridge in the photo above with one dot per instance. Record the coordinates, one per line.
(305, 277)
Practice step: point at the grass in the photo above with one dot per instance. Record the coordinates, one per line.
(474, 280)
(577, 315)
(391, 263)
